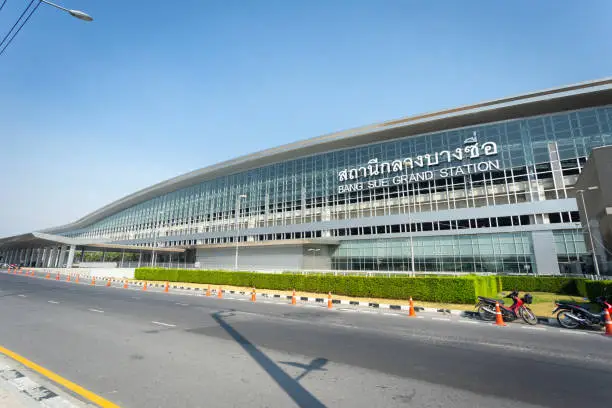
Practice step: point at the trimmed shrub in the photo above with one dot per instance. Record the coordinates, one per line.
(593, 289)
(426, 288)
(559, 285)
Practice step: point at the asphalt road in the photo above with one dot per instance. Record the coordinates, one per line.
(148, 349)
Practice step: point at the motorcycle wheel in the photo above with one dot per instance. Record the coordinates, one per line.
(528, 316)
(566, 322)
(485, 314)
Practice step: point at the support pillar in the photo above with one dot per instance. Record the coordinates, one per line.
(32, 257)
(70, 256)
(139, 258)
(44, 258)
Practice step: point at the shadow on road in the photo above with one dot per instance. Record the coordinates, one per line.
(294, 389)
(315, 365)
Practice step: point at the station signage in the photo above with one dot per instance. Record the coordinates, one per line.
(421, 168)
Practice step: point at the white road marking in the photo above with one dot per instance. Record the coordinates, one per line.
(468, 321)
(390, 314)
(572, 332)
(135, 297)
(53, 301)
(242, 300)
(444, 319)
(21, 295)
(420, 317)
(311, 306)
(96, 310)
(182, 304)
(367, 311)
(532, 328)
(164, 324)
(348, 310)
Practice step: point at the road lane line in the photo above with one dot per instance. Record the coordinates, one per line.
(52, 301)
(96, 310)
(88, 395)
(182, 304)
(21, 295)
(444, 319)
(164, 324)
(532, 328)
(468, 322)
(572, 332)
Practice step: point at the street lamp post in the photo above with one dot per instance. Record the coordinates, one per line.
(410, 227)
(75, 13)
(586, 216)
(240, 197)
(155, 235)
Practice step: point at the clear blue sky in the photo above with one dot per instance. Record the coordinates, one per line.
(91, 112)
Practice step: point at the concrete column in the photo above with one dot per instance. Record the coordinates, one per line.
(545, 252)
(39, 257)
(139, 258)
(82, 255)
(43, 258)
(32, 256)
(62, 256)
(70, 256)
(52, 258)
(122, 257)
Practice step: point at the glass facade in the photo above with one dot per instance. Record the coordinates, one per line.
(507, 162)
(511, 252)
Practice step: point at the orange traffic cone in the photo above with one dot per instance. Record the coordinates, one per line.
(411, 312)
(293, 301)
(77, 278)
(144, 287)
(253, 296)
(57, 276)
(167, 287)
(68, 278)
(220, 292)
(329, 301)
(108, 283)
(499, 320)
(208, 291)
(48, 275)
(608, 322)
(125, 284)
(93, 281)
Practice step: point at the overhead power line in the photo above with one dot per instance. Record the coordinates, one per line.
(2, 5)
(12, 37)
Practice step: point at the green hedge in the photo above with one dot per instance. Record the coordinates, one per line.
(560, 285)
(427, 288)
(565, 286)
(592, 289)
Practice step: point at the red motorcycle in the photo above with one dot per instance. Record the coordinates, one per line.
(519, 308)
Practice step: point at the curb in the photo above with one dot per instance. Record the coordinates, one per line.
(24, 384)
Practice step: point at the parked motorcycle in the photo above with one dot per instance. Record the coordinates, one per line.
(519, 308)
(572, 316)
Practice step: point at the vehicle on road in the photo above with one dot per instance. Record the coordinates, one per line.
(572, 316)
(518, 309)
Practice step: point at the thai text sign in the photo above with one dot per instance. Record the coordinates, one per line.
(426, 162)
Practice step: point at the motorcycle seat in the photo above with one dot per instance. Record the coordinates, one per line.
(491, 300)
